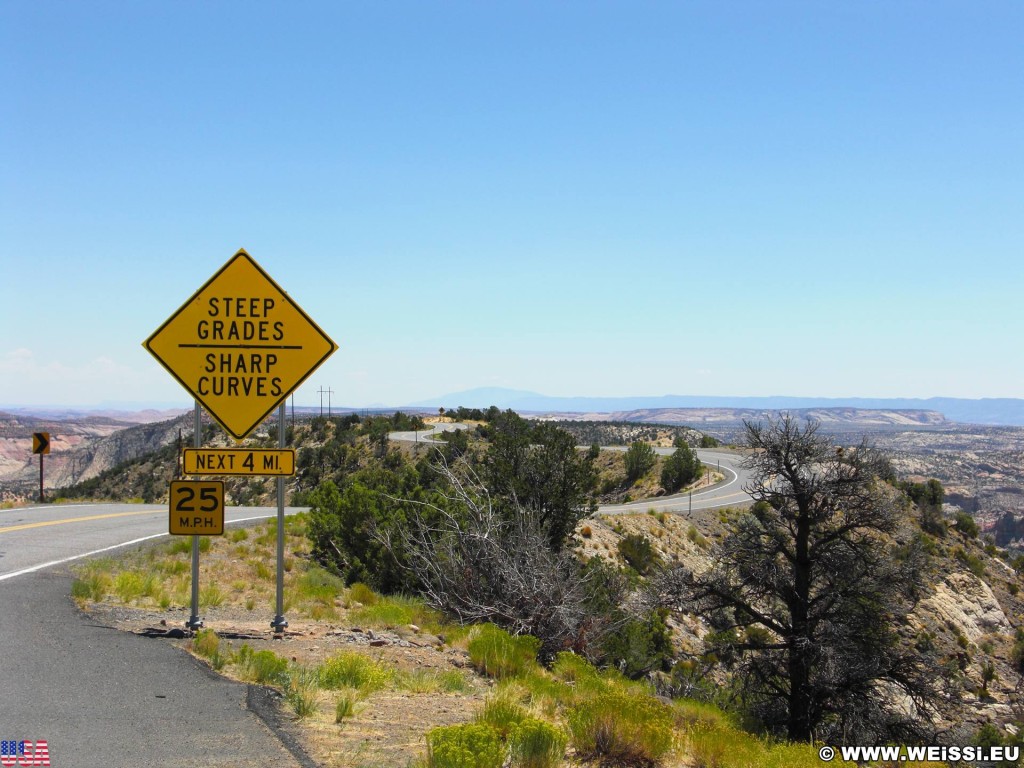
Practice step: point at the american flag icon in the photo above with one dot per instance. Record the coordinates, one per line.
(24, 754)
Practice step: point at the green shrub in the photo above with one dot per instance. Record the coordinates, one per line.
(346, 705)
(535, 744)
(637, 550)
(502, 713)
(496, 653)
(129, 585)
(319, 586)
(80, 590)
(211, 596)
(966, 525)
(182, 545)
(695, 536)
(389, 613)
(353, 670)
(301, 689)
(205, 643)
(641, 645)
(263, 667)
(360, 593)
(238, 534)
(543, 692)
(621, 729)
(572, 668)
(973, 563)
(431, 681)
(344, 521)
(988, 736)
(464, 746)
(640, 458)
(681, 468)
(262, 570)
(1017, 654)
(93, 585)
(453, 681)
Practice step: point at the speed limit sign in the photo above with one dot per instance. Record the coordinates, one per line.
(197, 508)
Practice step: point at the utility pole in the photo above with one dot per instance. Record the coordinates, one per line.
(323, 392)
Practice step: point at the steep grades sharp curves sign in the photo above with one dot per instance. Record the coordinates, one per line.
(240, 345)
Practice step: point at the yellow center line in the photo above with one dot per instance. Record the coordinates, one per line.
(75, 520)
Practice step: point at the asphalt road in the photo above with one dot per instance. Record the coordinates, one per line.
(43, 536)
(727, 493)
(98, 696)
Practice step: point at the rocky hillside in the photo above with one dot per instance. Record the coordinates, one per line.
(625, 432)
(73, 449)
(969, 615)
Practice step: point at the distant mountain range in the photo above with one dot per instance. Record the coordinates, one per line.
(990, 411)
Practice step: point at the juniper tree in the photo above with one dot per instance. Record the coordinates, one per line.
(681, 468)
(537, 468)
(808, 590)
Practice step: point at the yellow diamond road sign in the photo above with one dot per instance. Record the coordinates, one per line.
(240, 345)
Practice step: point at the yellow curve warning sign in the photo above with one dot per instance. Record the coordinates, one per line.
(240, 345)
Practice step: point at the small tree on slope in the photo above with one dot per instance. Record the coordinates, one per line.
(808, 592)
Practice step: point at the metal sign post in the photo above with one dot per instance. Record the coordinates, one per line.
(279, 624)
(41, 446)
(240, 346)
(194, 622)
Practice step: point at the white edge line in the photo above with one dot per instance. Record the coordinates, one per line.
(34, 568)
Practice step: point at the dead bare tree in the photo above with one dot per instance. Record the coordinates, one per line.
(478, 564)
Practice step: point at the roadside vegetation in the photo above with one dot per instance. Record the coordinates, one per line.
(518, 711)
(737, 637)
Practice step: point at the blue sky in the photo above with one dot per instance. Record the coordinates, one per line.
(601, 198)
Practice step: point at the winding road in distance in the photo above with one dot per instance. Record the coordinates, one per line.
(727, 493)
